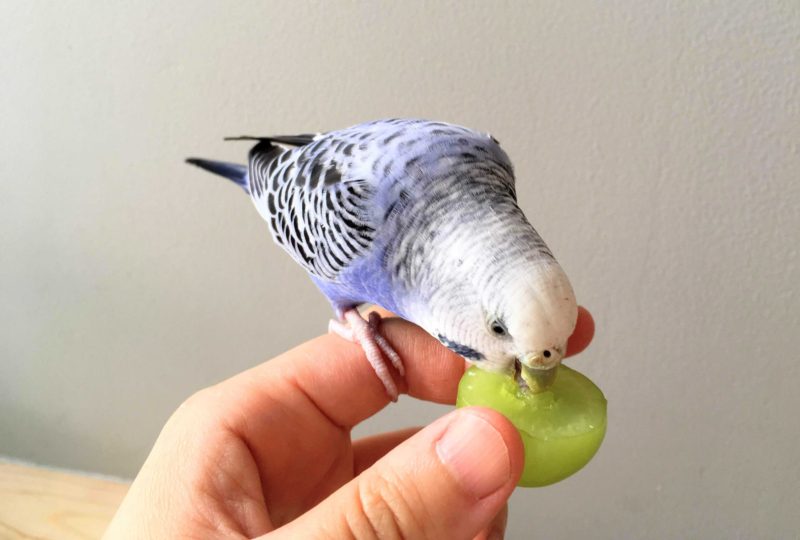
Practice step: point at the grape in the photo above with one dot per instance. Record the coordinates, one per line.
(561, 427)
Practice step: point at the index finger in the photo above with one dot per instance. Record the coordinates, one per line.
(335, 376)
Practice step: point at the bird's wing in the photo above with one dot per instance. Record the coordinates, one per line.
(316, 211)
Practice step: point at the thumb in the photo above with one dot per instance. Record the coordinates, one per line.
(447, 481)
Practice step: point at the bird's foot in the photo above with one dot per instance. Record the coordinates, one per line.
(367, 334)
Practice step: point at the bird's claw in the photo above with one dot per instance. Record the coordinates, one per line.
(376, 348)
(374, 322)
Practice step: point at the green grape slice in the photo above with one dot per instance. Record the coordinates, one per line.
(562, 427)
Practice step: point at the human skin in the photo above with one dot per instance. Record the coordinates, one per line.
(268, 453)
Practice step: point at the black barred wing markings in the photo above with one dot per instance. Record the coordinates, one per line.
(320, 217)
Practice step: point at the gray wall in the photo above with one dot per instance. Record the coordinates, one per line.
(656, 148)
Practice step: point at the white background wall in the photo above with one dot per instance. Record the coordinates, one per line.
(656, 148)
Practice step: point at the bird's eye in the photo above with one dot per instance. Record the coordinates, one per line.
(498, 328)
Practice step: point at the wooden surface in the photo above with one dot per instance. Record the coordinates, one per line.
(40, 504)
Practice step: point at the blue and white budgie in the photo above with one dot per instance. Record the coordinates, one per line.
(420, 218)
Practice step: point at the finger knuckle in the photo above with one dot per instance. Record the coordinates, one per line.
(385, 508)
(195, 410)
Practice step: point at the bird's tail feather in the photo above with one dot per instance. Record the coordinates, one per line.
(232, 171)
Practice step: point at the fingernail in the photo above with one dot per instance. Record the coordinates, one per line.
(474, 452)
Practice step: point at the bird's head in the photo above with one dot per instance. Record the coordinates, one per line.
(532, 318)
(530, 321)
(520, 322)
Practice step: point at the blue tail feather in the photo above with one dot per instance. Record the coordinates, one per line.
(232, 171)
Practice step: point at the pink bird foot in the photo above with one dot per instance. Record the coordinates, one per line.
(367, 334)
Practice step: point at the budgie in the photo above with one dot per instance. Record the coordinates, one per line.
(421, 218)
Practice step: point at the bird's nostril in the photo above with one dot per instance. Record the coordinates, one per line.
(547, 353)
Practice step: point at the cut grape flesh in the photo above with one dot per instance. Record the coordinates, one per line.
(561, 427)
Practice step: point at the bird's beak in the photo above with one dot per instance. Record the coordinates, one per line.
(537, 372)
(537, 380)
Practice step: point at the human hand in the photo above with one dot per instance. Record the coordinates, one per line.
(268, 452)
